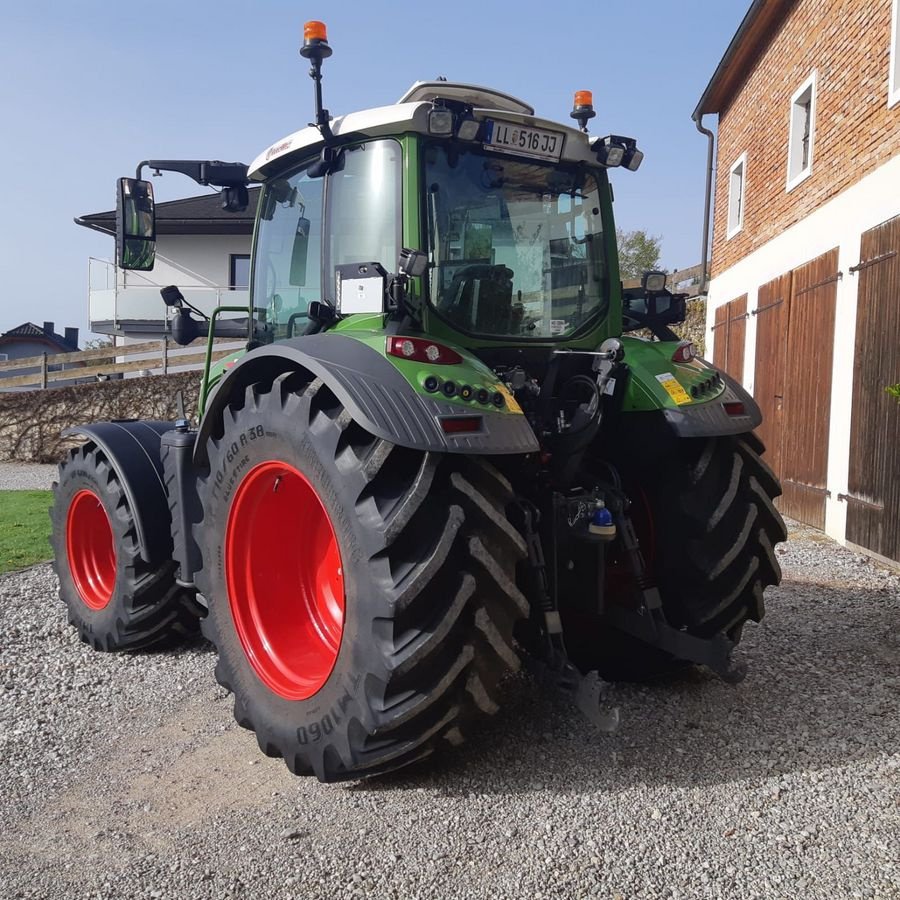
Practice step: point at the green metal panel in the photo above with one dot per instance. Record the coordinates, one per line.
(646, 361)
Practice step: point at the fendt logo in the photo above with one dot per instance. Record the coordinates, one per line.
(278, 148)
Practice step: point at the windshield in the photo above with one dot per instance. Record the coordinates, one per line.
(516, 246)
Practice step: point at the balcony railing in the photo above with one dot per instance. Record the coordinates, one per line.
(114, 307)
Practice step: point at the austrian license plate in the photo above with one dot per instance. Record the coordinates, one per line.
(523, 140)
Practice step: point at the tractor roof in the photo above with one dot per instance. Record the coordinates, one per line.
(410, 114)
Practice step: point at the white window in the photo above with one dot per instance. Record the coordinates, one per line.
(894, 81)
(238, 271)
(737, 190)
(802, 132)
(4, 357)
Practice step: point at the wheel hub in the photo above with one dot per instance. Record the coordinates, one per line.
(90, 550)
(285, 580)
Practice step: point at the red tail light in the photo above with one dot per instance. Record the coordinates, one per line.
(735, 408)
(461, 424)
(684, 352)
(420, 350)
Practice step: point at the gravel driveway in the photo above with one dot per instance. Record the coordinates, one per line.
(19, 476)
(125, 776)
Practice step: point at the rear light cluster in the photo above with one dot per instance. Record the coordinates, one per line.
(419, 350)
(684, 352)
(450, 388)
(712, 383)
(424, 351)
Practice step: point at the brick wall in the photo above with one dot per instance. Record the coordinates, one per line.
(848, 43)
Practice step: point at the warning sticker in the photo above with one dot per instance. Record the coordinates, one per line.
(673, 388)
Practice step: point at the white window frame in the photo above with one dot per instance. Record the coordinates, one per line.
(799, 176)
(894, 71)
(734, 227)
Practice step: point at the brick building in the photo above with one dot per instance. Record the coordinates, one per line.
(804, 298)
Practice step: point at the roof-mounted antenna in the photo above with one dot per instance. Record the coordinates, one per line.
(315, 48)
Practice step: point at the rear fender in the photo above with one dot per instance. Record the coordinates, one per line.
(712, 418)
(133, 450)
(687, 396)
(375, 394)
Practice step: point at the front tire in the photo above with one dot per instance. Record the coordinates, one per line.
(115, 598)
(364, 620)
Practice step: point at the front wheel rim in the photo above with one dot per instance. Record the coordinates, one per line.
(284, 578)
(91, 550)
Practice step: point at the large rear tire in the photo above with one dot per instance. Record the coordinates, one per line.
(361, 595)
(115, 598)
(708, 528)
(717, 529)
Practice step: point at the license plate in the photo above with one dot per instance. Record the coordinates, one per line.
(523, 140)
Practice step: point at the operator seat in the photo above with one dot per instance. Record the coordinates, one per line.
(480, 299)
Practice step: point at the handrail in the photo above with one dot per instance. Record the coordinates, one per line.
(209, 346)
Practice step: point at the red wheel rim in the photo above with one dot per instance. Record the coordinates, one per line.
(285, 580)
(90, 549)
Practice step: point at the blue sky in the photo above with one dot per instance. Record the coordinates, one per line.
(87, 89)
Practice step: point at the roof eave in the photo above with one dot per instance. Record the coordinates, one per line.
(761, 16)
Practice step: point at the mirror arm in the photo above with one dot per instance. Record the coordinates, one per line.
(203, 171)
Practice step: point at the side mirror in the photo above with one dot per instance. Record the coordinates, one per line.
(184, 328)
(299, 253)
(135, 225)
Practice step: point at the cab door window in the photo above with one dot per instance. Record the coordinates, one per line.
(286, 270)
(364, 203)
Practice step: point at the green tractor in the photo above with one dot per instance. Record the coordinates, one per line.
(438, 452)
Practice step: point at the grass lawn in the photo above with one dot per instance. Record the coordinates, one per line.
(24, 528)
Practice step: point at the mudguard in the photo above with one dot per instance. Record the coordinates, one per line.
(712, 419)
(133, 450)
(378, 397)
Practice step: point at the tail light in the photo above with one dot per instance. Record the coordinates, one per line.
(735, 408)
(461, 424)
(420, 350)
(684, 352)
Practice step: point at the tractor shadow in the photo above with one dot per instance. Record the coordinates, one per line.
(823, 682)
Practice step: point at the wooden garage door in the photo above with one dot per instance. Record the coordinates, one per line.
(792, 384)
(772, 313)
(873, 513)
(807, 389)
(729, 331)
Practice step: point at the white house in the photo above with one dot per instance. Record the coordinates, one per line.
(201, 248)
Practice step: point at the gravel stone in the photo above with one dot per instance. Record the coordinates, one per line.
(125, 776)
(18, 476)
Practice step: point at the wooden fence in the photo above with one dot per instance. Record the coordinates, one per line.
(157, 357)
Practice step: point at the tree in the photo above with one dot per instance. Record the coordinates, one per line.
(638, 252)
(101, 343)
